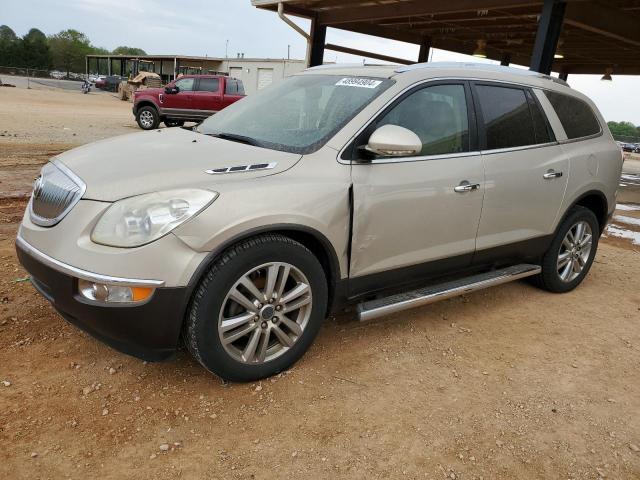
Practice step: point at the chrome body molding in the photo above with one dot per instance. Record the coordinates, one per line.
(242, 168)
(83, 274)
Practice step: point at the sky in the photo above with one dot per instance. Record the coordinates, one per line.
(203, 27)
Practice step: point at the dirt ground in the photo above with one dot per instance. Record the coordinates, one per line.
(507, 383)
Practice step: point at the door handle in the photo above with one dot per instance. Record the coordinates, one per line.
(465, 186)
(551, 174)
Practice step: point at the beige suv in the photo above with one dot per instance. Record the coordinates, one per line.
(388, 187)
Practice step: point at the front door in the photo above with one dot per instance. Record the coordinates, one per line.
(179, 103)
(526, 171)
(418, 216)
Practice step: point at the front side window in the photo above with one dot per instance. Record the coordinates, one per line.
(298, 114)
(185, 84)
(438, 115)
(507, 118)
(576, 117)
(209, 85)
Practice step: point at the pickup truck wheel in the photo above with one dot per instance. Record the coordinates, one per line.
(571, 253)
(147, 118)
(173, 123)
(258, 309)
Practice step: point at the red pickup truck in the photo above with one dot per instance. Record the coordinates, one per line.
(190, 98)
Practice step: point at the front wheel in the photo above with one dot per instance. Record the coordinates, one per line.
(147, 118)
(258, 309)
(571, 253)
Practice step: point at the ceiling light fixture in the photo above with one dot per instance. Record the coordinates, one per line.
(480, 50)
(559, 50)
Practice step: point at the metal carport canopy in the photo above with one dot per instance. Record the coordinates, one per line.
(591, 36)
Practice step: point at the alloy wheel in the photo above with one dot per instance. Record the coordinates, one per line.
(574, 251)
(146, 119)
(265, 313)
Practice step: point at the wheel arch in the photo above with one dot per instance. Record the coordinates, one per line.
(596, 201)
(145, 103)
(311, 238)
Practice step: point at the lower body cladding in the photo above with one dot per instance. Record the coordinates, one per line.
(149, 329)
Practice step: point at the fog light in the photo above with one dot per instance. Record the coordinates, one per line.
(104, 292)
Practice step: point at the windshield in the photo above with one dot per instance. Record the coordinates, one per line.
(298, 115)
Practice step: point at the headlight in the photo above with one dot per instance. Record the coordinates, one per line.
(140, 220)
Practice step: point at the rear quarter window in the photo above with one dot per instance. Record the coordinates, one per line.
(576, 116)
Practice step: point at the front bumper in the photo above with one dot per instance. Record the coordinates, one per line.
(149, 330)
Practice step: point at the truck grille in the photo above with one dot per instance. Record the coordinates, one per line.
(55, 193)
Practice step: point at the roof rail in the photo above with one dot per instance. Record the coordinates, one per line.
(479, 66)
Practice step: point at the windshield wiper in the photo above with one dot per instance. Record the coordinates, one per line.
(236, 138)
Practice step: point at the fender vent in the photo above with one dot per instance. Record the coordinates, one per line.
(241, 168)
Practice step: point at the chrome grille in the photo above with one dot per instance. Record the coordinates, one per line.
(55, 192)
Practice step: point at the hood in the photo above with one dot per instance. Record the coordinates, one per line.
(144, 162)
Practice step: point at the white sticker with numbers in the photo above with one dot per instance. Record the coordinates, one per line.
(359, 82)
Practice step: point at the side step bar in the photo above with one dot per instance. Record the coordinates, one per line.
(416, 298)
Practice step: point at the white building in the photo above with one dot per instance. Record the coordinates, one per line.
(255, 73)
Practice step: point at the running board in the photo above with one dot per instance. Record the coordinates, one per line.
(416, 298)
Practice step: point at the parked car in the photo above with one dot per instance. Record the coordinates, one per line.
(111, 82)
(191, 98)
(386, 187)
(628, 147)
(100, 82)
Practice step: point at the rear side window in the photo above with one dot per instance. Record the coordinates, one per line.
(209, 85)
(507, 117)
(577, 118)
(233, 87)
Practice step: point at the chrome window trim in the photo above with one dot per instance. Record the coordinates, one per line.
(515, 149)
(49, 222)
(418, 158)
(83, 274)
(581, 139)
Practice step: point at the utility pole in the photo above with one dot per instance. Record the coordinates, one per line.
(226, 49)
(288, 52)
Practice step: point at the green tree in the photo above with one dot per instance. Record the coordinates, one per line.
(9, 47)
(623, 129)
(68, 50)
(35, 50)
(128, 51)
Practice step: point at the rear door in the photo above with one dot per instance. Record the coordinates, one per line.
(207, 99)
(525, 169)
(417, 216)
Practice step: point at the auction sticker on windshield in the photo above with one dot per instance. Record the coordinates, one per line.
(359, 82)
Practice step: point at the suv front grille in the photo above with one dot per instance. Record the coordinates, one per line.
(55, 193)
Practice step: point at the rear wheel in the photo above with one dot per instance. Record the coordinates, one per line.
(258, 309)
(571, 253)
(147, 118)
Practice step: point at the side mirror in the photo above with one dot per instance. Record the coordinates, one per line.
(171, 90)
(394, 141)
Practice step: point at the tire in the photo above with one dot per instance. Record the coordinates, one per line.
(261, 350)
(147, 118)
(173, 123)
(558, 277)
